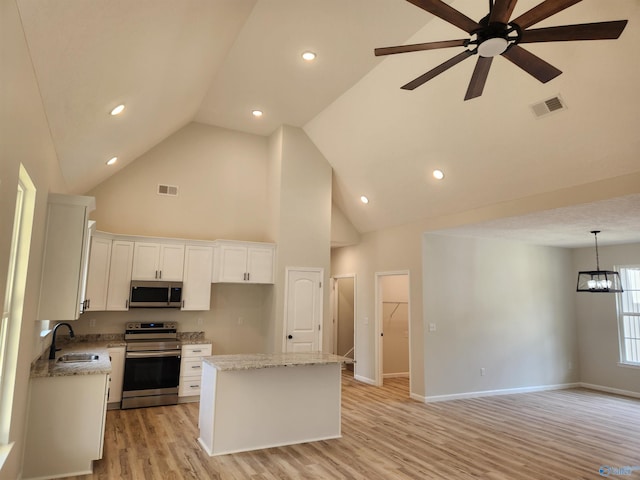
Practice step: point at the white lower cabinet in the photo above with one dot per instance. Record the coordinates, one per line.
(116, 355)
(65, 433)
(191, 369)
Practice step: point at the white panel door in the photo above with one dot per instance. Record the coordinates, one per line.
(303, 310)
(196, 293)
(145, 261)
(260, 264)
(120, 275)
(98, 274)
(233, 263)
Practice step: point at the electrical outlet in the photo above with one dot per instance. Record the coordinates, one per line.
(199, 320)
(240, 320)
(482, 372)
(92, 322)
(432, 327)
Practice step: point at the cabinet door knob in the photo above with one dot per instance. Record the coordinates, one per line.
(289, 337)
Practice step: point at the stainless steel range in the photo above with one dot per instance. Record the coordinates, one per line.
(151, 366)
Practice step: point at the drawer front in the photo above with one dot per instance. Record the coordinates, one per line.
(199, 350)
(189, 386)
(191, 367)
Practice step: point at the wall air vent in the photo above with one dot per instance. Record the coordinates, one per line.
(547, 107)
(168, 190)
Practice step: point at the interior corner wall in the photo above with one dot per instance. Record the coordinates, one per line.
(390, 250)
(274, 184)
(25, 139)
(304, 228)
(597, 322)
(505, 307)
(222, 188)
(343, 232)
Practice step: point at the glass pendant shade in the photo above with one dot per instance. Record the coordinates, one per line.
(599, 281)
(595, 281)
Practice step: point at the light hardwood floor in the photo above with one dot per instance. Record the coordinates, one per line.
(564, 434)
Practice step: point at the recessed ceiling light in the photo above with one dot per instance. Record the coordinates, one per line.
(438, 174)
(257, 113)
(364, 199)
(308, 56)
(112, 160)
(118, 110)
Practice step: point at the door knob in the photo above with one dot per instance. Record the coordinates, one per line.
(289, 337)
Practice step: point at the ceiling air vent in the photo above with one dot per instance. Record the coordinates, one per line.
(555, 104)
(169, 190)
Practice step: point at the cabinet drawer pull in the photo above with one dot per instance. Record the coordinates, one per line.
(195, 366)
(194, 386)
(196, 351)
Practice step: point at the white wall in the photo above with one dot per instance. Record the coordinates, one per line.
(303, 210)
(221, 175)
(24, 138)
(504, 306)
(393, 249)
(597, 322)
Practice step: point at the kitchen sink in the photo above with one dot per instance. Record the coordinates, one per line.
(78, 357)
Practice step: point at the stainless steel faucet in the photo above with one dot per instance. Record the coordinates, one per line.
(53, 349)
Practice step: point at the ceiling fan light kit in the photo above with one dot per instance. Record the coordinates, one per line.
(495, 35)
(598, 281)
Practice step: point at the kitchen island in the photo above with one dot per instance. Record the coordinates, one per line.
(254, 401)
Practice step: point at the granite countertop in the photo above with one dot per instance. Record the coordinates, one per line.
(192, 338)
(254, 361)
(93, 343)
(44, 367)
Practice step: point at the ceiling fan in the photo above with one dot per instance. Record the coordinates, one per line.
(495, 35)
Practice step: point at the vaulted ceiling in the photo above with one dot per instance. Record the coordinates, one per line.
(213, 61)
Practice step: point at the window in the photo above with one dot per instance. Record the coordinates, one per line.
(629, 315)
(14, 298)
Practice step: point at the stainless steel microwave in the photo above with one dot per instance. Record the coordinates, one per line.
(155, 294)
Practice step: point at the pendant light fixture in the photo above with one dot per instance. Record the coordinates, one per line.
(598, 280)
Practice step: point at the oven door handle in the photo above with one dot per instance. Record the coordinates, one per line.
(173, 353)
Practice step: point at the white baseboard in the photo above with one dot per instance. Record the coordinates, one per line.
(616, 391)
(505, 391)
(420, 398)
(366, 380)
(396, 375)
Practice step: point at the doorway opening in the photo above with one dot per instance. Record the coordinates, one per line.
(343, 303)
(393, 326)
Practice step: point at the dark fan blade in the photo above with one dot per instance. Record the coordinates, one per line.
(437, 71)
(419, 46)
(584, 31)
(479, 77)
(531, 64)
(501, 11)
(447, 13)
(542, 11)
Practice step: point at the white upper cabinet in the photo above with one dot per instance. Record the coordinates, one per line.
(120, 275)
(243, 262)
(98, 275)
(196, 289)
(66, 257)
(158, 261)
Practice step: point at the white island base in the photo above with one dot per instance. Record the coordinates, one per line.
(249, 406)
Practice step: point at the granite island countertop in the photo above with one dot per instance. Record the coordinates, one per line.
(254, 361)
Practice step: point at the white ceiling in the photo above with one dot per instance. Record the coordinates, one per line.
(213, 61)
